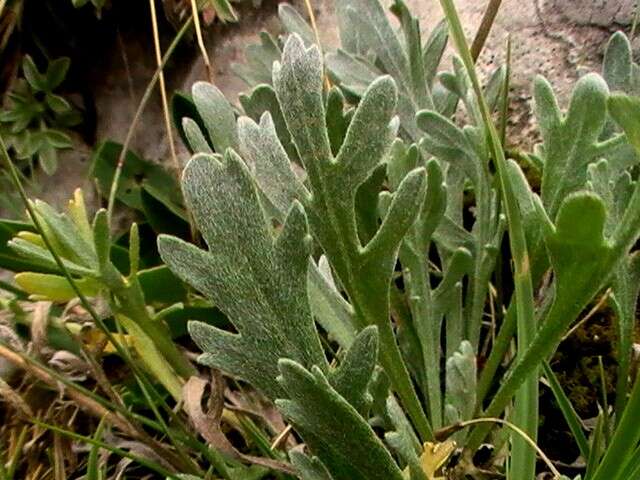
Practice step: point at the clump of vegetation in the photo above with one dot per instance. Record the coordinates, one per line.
(334, 257)
(37, 117)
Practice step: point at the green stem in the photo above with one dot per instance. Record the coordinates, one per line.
(625, 440)
(394, 365)
(526, 415)
(118, 451)
(427, 327)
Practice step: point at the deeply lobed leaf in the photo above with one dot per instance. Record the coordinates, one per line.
(257, 280)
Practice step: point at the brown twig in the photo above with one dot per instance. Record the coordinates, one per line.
(203, 49)
(163, 89)
(485, 28)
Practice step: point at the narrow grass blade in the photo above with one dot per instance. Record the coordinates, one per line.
(526, 413)
(569, 413)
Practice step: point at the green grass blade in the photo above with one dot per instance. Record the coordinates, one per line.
(624, 441)
(569, 413)
(596, 447)
(115, 450)
(526, 409)
(632, 469)
(93, 468)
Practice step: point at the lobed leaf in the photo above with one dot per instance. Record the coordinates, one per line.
(258, 281)
(332, 428)
(217, 114)
(569, 142)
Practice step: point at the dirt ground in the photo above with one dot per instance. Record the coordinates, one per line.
(560, 39)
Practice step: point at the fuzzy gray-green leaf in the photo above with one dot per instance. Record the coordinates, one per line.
(263, 99)
(333, 183)
(269, 163)
(309, 468)
(197, 142)
(293, 22)
(332, 429)
(617, 64)
(257, 280)
(217, 114)
(569, 142)
(351, 378)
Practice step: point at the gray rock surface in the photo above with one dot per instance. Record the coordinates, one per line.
(560, 39)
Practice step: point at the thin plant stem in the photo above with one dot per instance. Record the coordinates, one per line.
(485, 28)
(203, 49)
(312, 19)
(281, 438)
(526, 408)
(138, 115)
(445, 433)
(163, 89)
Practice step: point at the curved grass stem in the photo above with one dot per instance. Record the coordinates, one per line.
(138, 115)
(526, 415)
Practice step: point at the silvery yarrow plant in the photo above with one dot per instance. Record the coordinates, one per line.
(356, 218)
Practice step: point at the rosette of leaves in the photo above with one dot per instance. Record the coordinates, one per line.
(36, 119)
(370, 47)
(587, 169)
(234, 200)
(583, 225)
(258, 278)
